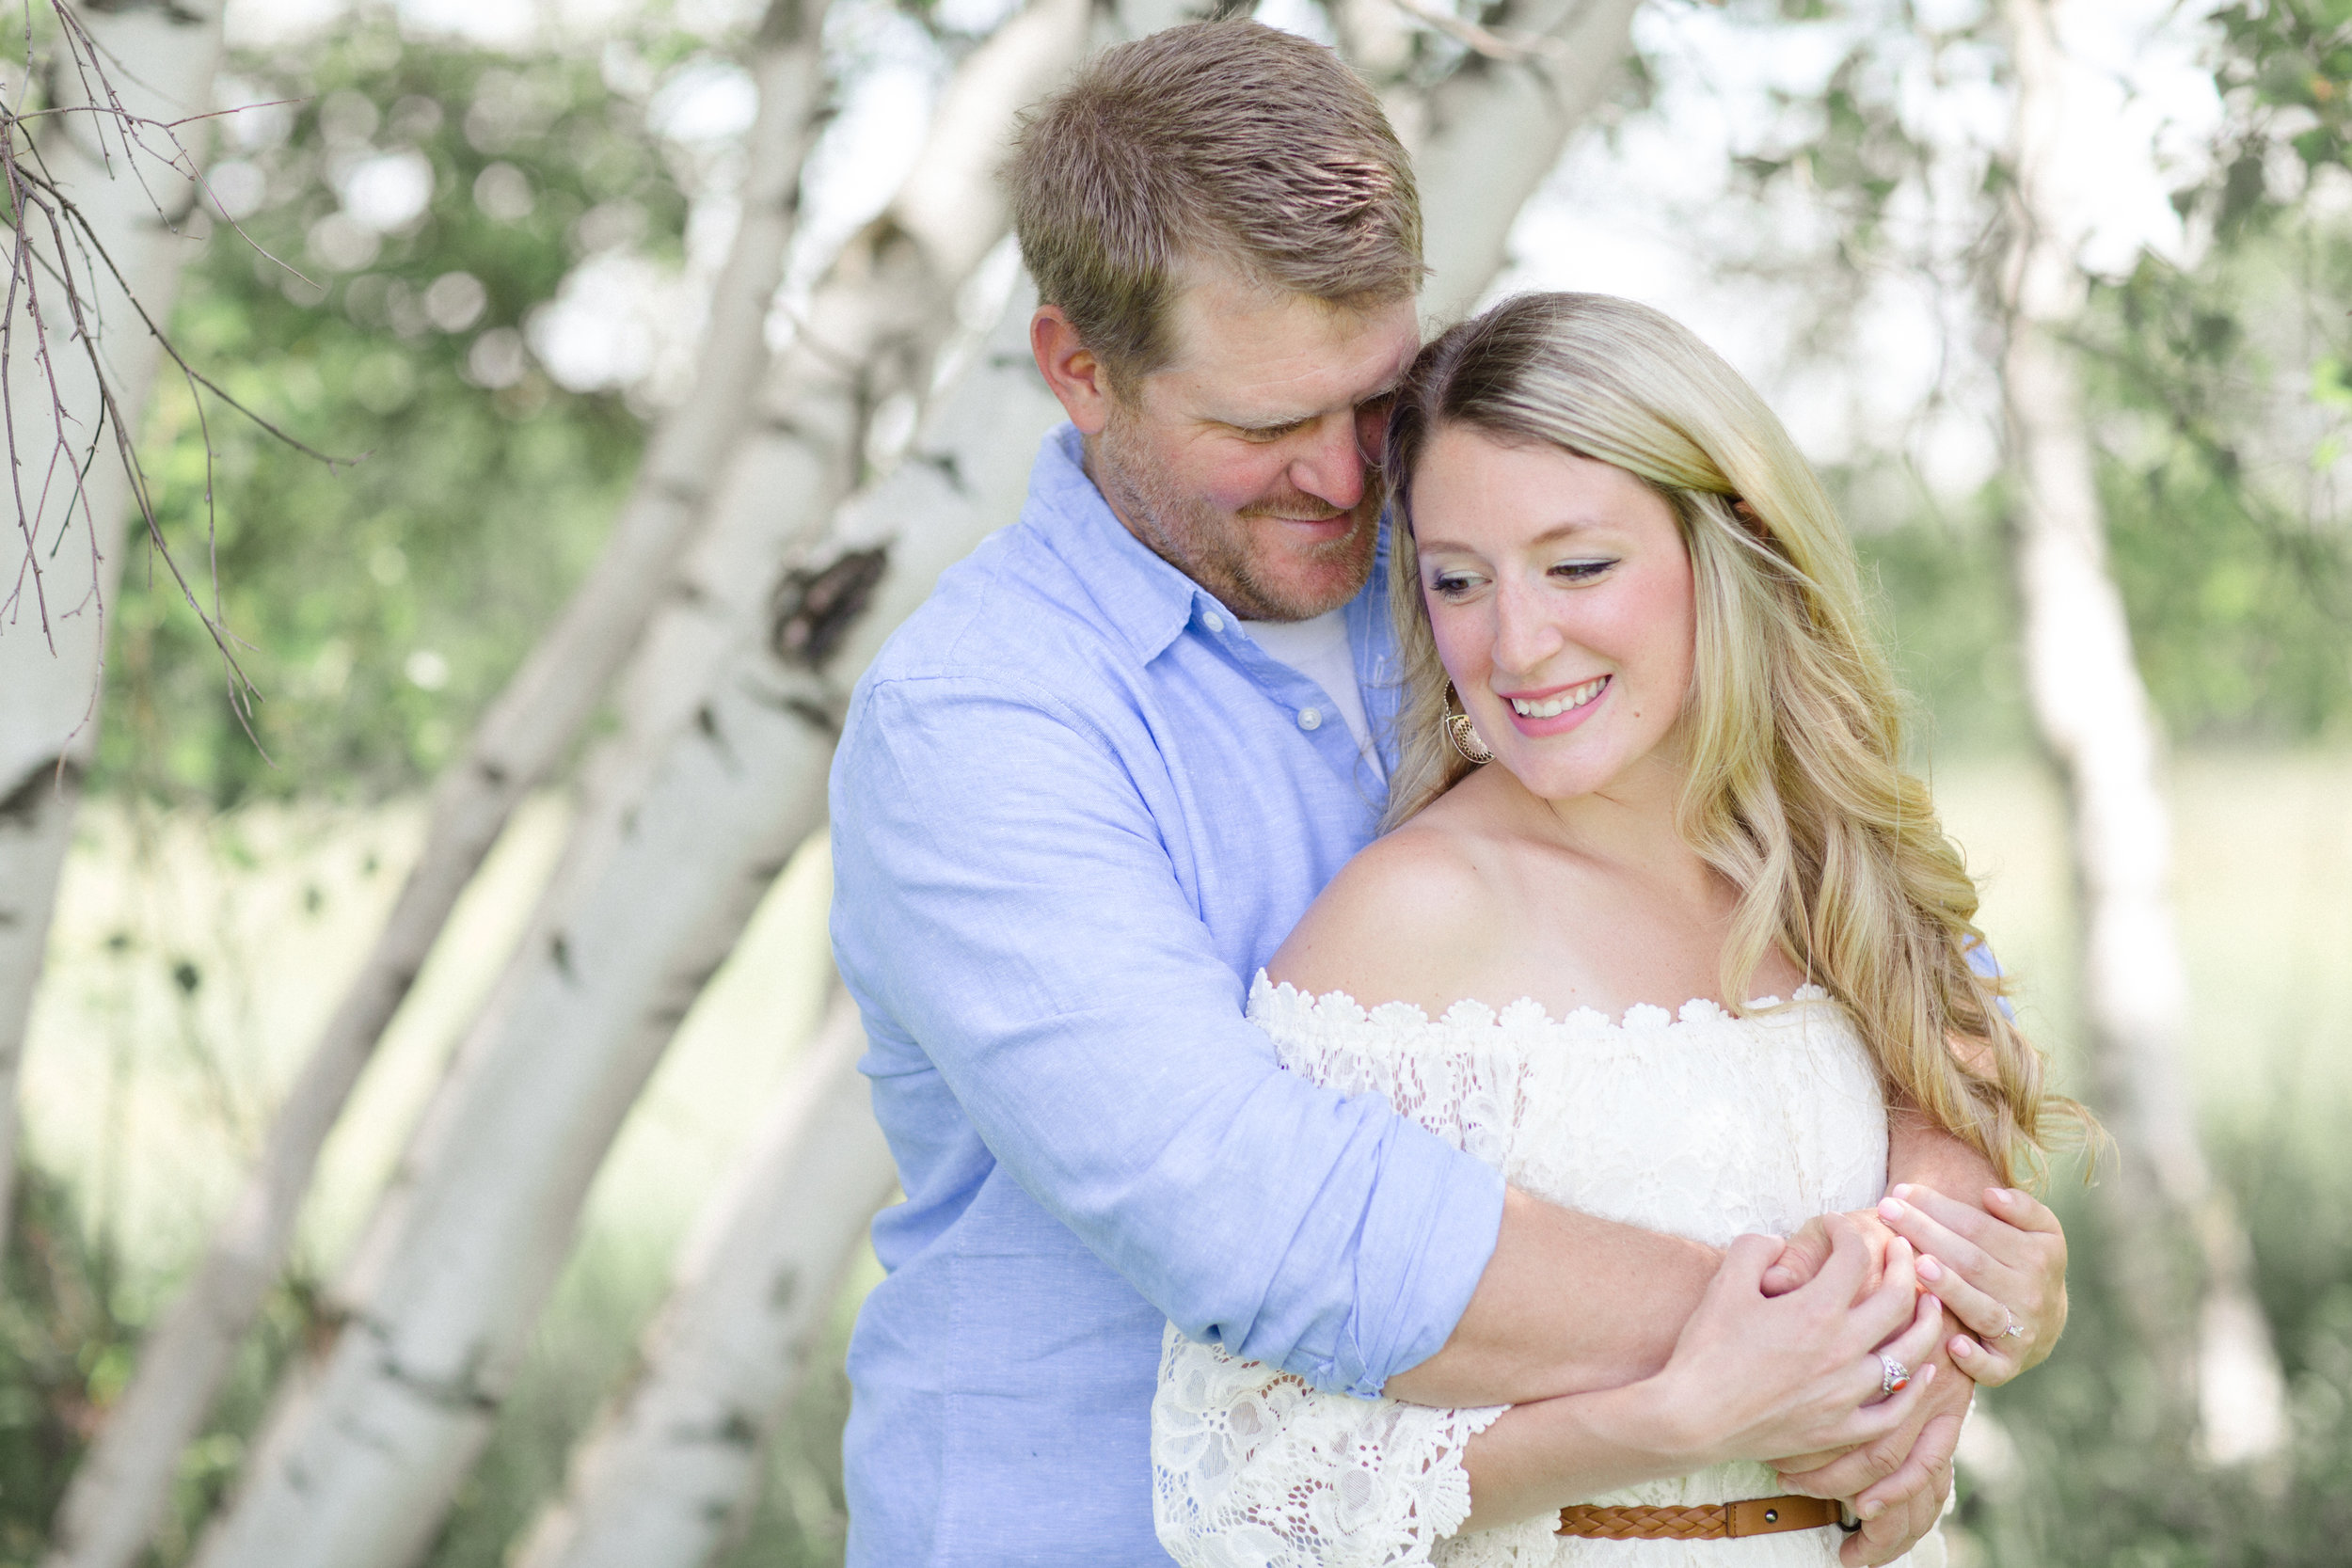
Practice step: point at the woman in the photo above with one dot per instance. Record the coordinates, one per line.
(1649, 770)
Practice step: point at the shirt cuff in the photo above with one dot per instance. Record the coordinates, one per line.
(1426, 1241)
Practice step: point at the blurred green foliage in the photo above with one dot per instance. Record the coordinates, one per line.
(2081, 1490)
(382, 603)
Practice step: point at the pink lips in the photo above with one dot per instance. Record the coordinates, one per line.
(1559, 723)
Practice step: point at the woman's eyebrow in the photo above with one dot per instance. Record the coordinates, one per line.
(1552, 535)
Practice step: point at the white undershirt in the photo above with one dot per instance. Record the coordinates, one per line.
(1318, 649)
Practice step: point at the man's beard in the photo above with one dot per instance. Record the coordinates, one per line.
(1212, 547)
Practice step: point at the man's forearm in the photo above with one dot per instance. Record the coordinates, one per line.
(1919, 1151)
(1566, 1304)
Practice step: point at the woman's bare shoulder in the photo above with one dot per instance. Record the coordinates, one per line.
(1400, 920)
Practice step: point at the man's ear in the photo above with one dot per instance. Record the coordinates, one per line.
(1077, 378)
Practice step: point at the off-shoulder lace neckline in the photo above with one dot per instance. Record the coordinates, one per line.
(1339, 1007)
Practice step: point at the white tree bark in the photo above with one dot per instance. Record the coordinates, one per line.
(893, 292)
(358, 1474)
(1496, 129)
(872, 331)
(360, 1467)
(666, 1476)
(159, 60)
(2183, 1254)
(126, 1479)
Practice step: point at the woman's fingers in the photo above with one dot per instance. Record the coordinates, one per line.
(1937, 1230)
(1989, 1363)
(2023, 1210)
(1915, 1345)
(1977, 1309)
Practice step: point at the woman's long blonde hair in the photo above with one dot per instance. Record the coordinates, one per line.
(1792, 727)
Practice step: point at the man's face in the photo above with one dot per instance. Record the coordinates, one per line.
(1243, 463)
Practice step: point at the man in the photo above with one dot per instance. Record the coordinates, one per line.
(1086, 792)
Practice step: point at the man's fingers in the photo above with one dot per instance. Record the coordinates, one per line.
(1849, 1260)
(1800, 1258)
(1892, 1533)
(1743, 1264)
(1927, 1469)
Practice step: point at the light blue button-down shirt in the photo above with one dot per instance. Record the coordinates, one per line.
(1074, 809)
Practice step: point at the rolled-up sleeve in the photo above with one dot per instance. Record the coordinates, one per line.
(1006, 900)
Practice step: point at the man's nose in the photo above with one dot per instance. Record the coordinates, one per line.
(1331, 468)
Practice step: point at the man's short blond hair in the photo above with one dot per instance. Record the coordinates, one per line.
(1219, 143)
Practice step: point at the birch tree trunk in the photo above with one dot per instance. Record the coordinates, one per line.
(872, 332)
(648, 1488)
(124, 1480)
(158, 61)
(360, 1467)
(2183, 1256)
(1496, 129)
(784, 480)
(668, 1474)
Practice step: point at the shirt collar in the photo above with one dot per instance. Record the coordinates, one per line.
(1150, 601)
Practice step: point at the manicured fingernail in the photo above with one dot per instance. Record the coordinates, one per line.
(1930, 1268)
(1870, 1510)
(1902, 1190)
(1963, 1347)
(1890, 1209)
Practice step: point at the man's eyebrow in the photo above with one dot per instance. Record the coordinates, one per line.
(1290, 421)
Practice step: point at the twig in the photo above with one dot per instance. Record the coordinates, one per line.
(1510, 48)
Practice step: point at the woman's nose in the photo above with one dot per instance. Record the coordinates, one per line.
(1525, 635)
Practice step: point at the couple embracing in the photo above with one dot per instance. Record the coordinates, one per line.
(1420, 1016)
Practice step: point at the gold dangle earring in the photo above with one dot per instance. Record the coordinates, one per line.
(1462, 732)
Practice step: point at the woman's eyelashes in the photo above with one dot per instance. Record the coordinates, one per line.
(1582, 571)
(1455, 586)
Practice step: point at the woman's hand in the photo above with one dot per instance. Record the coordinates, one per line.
(2001, 1270)
(2001, 1265)
(1755, 1377)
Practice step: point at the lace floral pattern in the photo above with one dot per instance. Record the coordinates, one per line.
(1703, 1124)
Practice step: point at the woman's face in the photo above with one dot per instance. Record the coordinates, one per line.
(1560, 592)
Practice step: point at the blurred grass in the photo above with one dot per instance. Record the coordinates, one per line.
(145, 1093)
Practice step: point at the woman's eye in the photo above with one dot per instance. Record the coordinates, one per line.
(1451, 585)
(1582, 571)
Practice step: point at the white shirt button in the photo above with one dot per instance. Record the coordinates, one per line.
(1310, 719)
(1213, 620)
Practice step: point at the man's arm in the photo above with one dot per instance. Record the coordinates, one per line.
(1567, 1304)
(1006, 899)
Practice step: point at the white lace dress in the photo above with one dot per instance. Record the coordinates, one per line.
(1704, 1125)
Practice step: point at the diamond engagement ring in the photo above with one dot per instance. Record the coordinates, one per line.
(1894, 1375)
(2012, 1330)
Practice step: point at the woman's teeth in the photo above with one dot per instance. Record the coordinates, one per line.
(1553, 707)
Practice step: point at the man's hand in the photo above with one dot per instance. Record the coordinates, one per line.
(1898, 1484)
(2001, 1270)
(1802, 1254)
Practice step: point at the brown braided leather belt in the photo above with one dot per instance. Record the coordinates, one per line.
(1705, 1522)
